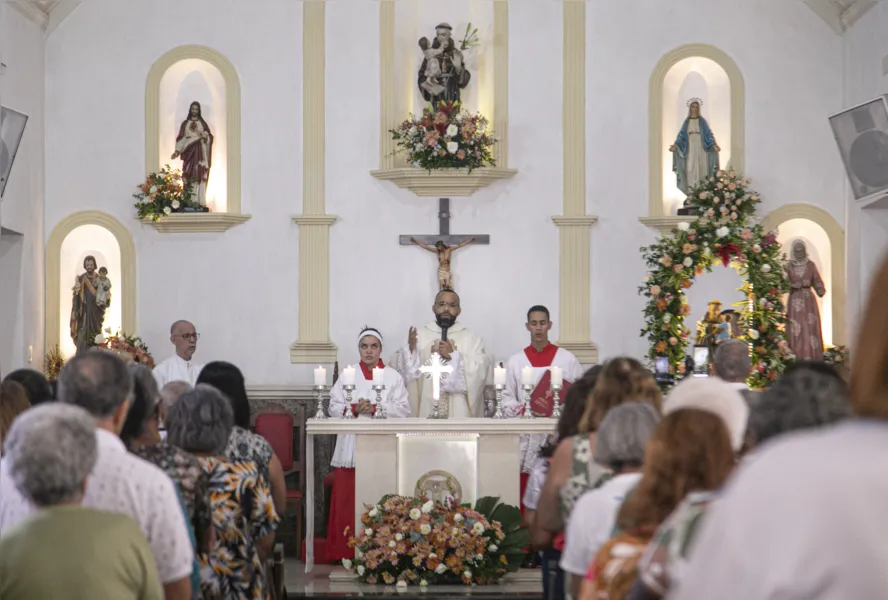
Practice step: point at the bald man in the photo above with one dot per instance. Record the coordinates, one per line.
(180, 367)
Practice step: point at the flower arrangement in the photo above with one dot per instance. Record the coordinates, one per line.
(723, 233)
(407, 540)
(836, 356)
(446, 139)
(126, 345)
(53, 361)
(162, 193)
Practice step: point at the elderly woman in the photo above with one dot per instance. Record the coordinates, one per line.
(244, 444)
(619, 446)
(51, 450)
(13, 402)
(244, 518)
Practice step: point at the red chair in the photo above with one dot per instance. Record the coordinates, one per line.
(286, 435)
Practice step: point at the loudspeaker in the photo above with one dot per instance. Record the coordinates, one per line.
(12, 127)
(861, 133)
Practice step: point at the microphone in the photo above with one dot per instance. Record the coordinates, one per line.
(444, 333)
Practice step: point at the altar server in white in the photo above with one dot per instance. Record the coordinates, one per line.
(541, 356)
(363, 406)
(180, 367)
(462, 390)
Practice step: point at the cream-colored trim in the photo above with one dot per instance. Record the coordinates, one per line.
(443, 183)
(30, 11)
(657, 146)
(126, 290)
(197, 222)
(314, 345)
(233, 116)
(885, 65)
(836, 236)
(388, 108)
(574, 224)
(665, 225)
(501, 81)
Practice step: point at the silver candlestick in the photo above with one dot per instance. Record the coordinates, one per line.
(380, 409)
(556, 402)
(319, 395)
(528, 412)
(349, 412)
(498, 414)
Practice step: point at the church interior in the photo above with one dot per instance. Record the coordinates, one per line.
(346, 218)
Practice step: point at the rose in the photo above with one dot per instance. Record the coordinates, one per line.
(452, 130)
(392, 544)
(100, 339)
(373, 512)
(428, 507)
(452, 147)
(398, 537)
(467, 574)
(441, 569)
(493, 548)
(176, 204)
(167, 210)
(684, 226)
(655, 290)
(756, 248)
(361, 570)
(346, 563)
(425, 529)
(457, 517)
(415, 513)
(368, 532)
(688, 261)
(722, 232)
(672, 341)
(766, 268)
(477, 528)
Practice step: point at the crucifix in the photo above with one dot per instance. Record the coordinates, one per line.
(437, 369)
(443, 244)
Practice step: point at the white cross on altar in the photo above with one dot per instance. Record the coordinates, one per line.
(435, 368)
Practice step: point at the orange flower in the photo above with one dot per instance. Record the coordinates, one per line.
(685, 310)
(685, 284)
(660, 347)
(772, 375)
(661, 305)
(698, 270)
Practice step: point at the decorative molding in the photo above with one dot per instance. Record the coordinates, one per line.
(443, 183)
(574, 224)
(657, 146)
(836, 236)
(415, 425)
(31, 11)
(314, 345)
(885, 65)
(388, 107)
(197, 222)
(126, 290)
(501, 81)
(665, 225)
(233, 114)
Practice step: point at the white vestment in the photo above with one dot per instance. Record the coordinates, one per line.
(394, 399)
(513, 395)
(176, 368)
(462, 390)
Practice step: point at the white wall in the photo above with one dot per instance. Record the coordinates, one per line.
(22, 89)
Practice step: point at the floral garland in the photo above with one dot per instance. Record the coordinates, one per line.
(128, 346)
(407, 540)
(725, 232)
(161, 194)
(449, 138)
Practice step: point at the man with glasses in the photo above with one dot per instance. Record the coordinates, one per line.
(462, 389)
(180, 367)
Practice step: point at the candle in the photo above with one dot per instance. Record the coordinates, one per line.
(557, 376)
(499, 375)
(320, 376)
(527, 376)
(348, 376)
(378, 376)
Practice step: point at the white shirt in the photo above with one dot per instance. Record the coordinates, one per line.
(123, 483)
(804, 520)
(592, 522)
(535, 484)
(176, 368)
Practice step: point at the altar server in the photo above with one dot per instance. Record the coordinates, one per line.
(462, 390)
(363, 406)
(540, 356)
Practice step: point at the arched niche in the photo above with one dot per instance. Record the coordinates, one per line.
(76, 236)
(692, 70)
(177, 78)
(826, 247)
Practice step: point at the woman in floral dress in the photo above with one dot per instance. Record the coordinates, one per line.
(242, 509)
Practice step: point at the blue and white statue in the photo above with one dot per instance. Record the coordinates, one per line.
(695, 152)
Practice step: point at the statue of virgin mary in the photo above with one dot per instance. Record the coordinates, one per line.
(695, 152)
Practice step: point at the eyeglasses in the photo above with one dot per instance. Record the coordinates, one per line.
(189, 336)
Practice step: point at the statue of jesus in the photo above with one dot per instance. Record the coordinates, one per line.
(194, 144)
(445, 277)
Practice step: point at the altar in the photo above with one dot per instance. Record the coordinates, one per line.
(438, 458)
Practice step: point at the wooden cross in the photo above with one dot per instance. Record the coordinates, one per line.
(437, 369)
(444, 234)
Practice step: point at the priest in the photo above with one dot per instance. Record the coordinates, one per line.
(462, 390)
(180, 366)
(363, 405)
(539, 358)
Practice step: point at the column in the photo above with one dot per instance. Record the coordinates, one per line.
(501, 81)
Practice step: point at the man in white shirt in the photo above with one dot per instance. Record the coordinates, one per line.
(120, 482)
(179, 367)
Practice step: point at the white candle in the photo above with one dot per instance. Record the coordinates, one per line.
(499, 375)
(348, 376)
(321, 376)
(378, 376)
(557, 376)
(527, 376)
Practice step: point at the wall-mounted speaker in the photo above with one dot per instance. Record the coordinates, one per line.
(12, 127)
(861, 133)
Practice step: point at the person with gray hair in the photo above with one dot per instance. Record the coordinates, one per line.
(731, 363)
(619, 446)
(98, 381)
(50, 452)
(243, 513)
(171, 392)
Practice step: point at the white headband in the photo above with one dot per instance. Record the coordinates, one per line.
(370, 332)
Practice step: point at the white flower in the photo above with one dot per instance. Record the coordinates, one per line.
(100, 339)
(458, 518)
(412, 131)
(493, 548)
(459, 117)
(766, 268)
(648, 278)
(433, 555)
(452, 130)
(167, 210)
(418, 147)
(373, 512)
(454, 532)
(415, 513)
(467, 573)
(763, 302)
(667, 317)
(477, 528)
(361, 570)
(722, 231)
(425, 529)
(176, 204)
(688, 261)
(753, 334)
(392, 544)
(441, 568)
(684, 226)
(452, 147)
(399, 537)
(401, 584)
(346, 563)
(479, 557)
(368, 532)
(416, 164)
(428, 507)
(423, 583)
(153, 189)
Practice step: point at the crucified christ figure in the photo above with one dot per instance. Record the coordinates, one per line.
(445, 278)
